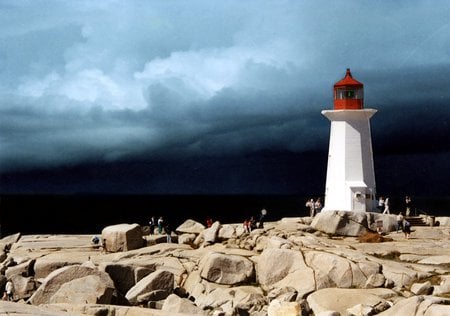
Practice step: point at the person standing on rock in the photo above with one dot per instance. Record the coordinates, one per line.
(317, 205)
(168, 231)
(261, 218)
(312, 207)
(160, 225)
(9, 290)
(381, 204)
(399, 221)
(407, 228)
(386, 206)
(408, 205)
(152, 224)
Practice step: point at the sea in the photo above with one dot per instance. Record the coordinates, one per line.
(89, 214)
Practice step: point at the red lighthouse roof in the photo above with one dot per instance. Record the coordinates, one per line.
(348, 81)
(348, 93)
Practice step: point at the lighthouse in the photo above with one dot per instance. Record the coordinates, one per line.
(350, 182)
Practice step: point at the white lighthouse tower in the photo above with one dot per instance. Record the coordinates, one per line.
(350, 184)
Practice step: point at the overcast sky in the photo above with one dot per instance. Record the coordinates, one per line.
(215, 96)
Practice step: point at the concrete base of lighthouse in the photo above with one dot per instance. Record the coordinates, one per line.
(350, 184)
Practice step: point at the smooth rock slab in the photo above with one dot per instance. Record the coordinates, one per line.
(339, 300)
(278, 268)
(226, 269)
(55, 280)
(158, 280)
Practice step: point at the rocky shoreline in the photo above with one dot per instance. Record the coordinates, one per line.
(295, 266)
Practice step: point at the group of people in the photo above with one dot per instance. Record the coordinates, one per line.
(314, 206)
(402, 222)
(252, 223)
(384, 205)
(162, 226)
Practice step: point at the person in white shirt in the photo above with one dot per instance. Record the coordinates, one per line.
(386, 206)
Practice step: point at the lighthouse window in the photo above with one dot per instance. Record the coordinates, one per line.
(348, 94)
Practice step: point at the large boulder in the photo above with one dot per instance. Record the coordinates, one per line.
(125, 276)
(190, 227)
(44, 265)
(210, 234)
(332, 270)
(158, 280)
(278, 268)
(24, 269)
(346, 223)
(102, 287)
(23, 286)
(226, 269)
(122, 237)
(86, 290)
(227, 231)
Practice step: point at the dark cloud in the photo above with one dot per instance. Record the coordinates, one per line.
(168, 95)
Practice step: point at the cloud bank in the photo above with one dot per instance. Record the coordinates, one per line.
(85, 82)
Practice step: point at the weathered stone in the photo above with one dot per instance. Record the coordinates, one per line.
(333, 299)
(334, 271)
(190, 227)
(56, 279)
(243, 297)
(89, 289)
(125, 276)
(24, 287)
(226, 231)
(375, 280)
(122, 237)
(281, 308)
(419, 305)
(285, 294)
(444, 259)
(56, 260)
(18, 309)
(360, 309)
(156, 295)
(226, 269)
(187, 239)
(192, 281)
(347, 223)
(285, 268)
(443, 287)
(7, 241)
(24, 269)
(422, 288)
(279, 243)
(210, 234)
(175, 304)
(443, 221)
(158, 280)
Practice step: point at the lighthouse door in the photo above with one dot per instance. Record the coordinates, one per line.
(358, 199)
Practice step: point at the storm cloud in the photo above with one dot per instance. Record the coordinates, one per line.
(85, 83)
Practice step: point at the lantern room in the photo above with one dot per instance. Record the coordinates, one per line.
(348, 93)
